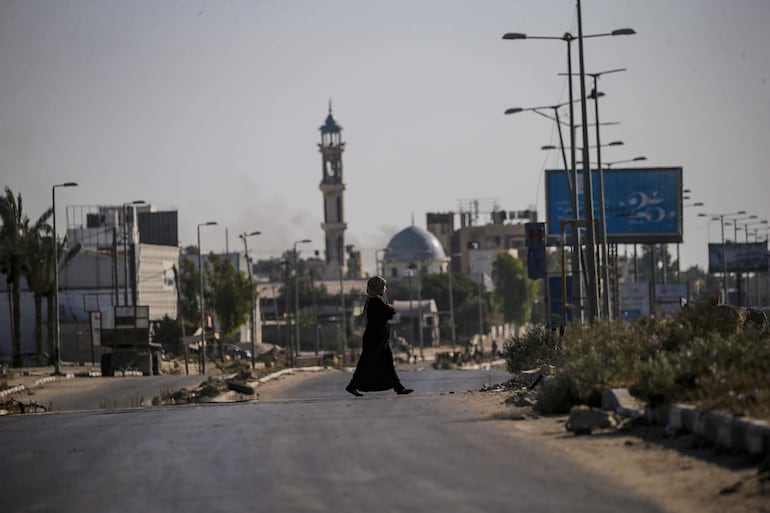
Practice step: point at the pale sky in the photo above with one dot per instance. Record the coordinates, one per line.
(213, 107)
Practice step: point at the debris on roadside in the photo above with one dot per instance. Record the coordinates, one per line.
(15, 407)
(584, 420)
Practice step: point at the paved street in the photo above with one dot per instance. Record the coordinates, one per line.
(314, 449)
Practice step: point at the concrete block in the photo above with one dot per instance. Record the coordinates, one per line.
(756, 435)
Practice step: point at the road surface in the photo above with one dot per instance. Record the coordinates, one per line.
(313, 449)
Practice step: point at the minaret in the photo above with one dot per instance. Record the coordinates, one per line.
(333, 188)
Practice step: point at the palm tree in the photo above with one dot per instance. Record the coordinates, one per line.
(39, 278)
(12, 253)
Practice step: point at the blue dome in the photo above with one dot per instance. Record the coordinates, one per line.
(414, 244)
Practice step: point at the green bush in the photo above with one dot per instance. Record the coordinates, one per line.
(538, 346)
(674, 359)
(556, 396)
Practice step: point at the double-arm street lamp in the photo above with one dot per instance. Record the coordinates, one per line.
(57, 327)
(734, 222)
(202, 347)
(296, 295)
(569, 172)
(755, 225)
(595, 95)
(252, 333)
(125, 246)
(588, 200)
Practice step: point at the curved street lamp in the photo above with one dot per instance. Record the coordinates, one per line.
(567, 37)
(252, 333)
(202, 347)
(296, 296)
(721, 218)
(125, 247)
(57, 327)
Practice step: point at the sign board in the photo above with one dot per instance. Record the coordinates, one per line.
(634, 299)
(670, 292)
(95, 319)
(739, 257)
(536, 258)
(557, 299)
(642, 205)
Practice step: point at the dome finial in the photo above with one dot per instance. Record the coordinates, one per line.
(330, 106)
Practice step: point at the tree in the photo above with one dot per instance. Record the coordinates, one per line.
(188, 285)
(15, 259)
(229, 294)
(515, 291)
(168, 333)
(39, 278)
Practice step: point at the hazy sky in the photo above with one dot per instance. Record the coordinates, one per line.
(213, 107)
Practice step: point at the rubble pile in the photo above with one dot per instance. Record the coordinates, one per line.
(456, 359)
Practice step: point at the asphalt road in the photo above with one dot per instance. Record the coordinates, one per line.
(314, 449)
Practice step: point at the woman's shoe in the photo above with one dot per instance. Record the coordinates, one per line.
(352, 390)
(404, 391)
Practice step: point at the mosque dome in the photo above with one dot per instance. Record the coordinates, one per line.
(414, 244)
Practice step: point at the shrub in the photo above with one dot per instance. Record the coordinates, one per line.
(674, 359)
(556, 396)
(538, 346)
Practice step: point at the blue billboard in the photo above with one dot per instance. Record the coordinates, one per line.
(738, 257)
(642, 205)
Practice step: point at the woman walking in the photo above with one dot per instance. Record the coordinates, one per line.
(375, 370)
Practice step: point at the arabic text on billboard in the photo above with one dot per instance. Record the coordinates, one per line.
(738, 257)
(641, 205)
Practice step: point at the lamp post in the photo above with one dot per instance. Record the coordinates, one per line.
(738, 278)
(252, 333)
(678, 261)
(721, 218)
(569, 171)
(125, 246)
(202, 347)
(57, 327)
(344, 324)
(595, 95)
(568, 38)
(451, 301)
(296, 294)
(745, 228)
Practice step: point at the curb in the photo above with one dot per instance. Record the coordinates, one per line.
(723, 429)
(21, 388)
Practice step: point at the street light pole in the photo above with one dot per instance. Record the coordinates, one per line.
(678, 260)
(481, 315)
(571, 184)
(57, 327)
(721, 218)
(568, 38)
(202, 347)
(252, 332)
(452, 304)
(606, 296)
(125, 246)
(296, 294)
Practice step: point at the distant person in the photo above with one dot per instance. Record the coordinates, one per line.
(494, 349)
(375, 370)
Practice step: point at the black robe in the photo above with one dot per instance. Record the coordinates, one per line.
(375, 370)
